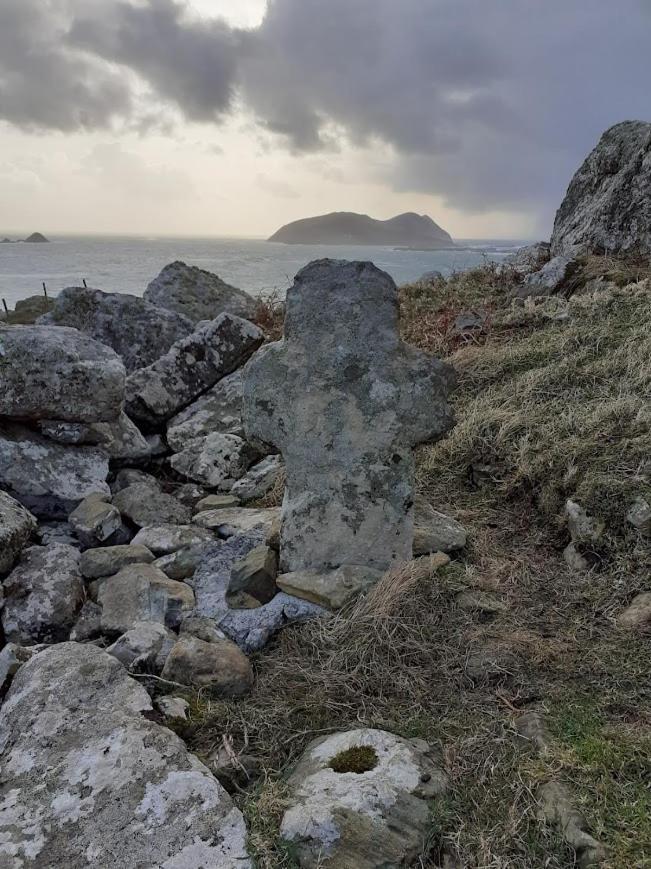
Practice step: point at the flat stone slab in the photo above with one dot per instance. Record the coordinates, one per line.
(344, 400)
(333, 588)
(48, 372)
(230, 521)
(190, 367)
(251, 629)
(87, 780)
(375, 816)
(165, 539)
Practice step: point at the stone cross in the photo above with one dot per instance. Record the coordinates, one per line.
(345, 400)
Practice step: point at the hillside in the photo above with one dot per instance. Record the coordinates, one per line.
(345, 227)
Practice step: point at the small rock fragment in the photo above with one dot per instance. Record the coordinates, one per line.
(637, 615)
(95, 520)
(253, 579)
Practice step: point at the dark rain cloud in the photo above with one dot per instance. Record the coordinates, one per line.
(490, 104)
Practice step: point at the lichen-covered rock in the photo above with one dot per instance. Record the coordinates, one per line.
(216, 502)
(345, 400)
(197, 294)
(530, 258)
(216, 460)
(165, 539)
(142, 593)
(219, 667)
(219, 410)
(144, 647)
(47, 478)
(190, 367)
(95, 520)
(144, 506)
(120, 439)
(549, 279)
(138, 332)
(43, 595)
(251, 629)
(375, 816)
(16, 527)
(86, 779)
(229, 521)
(181, 565)
(607, 207)
(50, 373)
(109, 560)
(259, 479)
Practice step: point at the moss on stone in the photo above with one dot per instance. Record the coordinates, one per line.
(359, 759)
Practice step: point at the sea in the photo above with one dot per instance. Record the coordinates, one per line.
(126, 265)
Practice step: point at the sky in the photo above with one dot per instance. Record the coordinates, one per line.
(233, 117)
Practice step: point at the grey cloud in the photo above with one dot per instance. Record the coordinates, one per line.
(491, 105)
(45, 85)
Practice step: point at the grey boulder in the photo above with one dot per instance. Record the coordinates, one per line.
(109, 560)
(137, 331)
(144, 647)
(165, 539)
(190, 367)
(120, 439)
(375, 815)
(47, 478)
(549, 279)
(217, 667)
(197, 294)
(143, 506)
(49, 373)
(87, 779)
(142, 593)
(530, 258)
(434, 531)
(16, 527)
(260, 479)
(607, 207)
(95, 520)
(43, 595)
(230, 521)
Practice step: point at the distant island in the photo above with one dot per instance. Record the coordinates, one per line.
(412, 231)
(34, 238)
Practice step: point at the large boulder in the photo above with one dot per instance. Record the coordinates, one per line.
(49, 373)
(16, 527)
(530, 258)
(47, 478)
(362, 798)
(197, 294)
(191, 367)
(607, 207)
(138, 332)
(143, 506)
(219, 410)
(43, 595)
(87, 779)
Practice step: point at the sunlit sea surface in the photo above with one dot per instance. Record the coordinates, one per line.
(126, 265)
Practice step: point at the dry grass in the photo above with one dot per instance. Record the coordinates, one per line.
(548, 407)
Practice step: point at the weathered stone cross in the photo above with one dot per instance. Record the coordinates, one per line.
(345, 400)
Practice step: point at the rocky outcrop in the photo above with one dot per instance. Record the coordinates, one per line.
(549, 279)
(138, 332)
(87, 779)
(49, 373)
(43, 595)
(190, 368)
(16, 527)
(36, 238)
(197, 294)
(362, 798)
(409, 230)
(47, 478)
(530, 258)
(607, 207)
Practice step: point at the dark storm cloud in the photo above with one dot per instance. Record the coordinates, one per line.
(490, 104)
(43, 83)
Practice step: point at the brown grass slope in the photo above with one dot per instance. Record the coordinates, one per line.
(553, 403)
